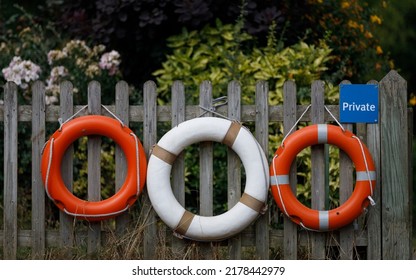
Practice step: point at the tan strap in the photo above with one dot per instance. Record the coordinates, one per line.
(231, 134)
(252, 202)
(163, 154)
(184, 223)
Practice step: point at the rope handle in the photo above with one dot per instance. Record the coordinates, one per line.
(61, 122)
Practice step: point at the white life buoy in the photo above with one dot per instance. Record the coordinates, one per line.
(237, 218)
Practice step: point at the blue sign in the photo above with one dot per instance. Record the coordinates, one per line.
(358, 103)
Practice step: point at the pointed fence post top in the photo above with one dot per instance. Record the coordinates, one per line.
(393, 76)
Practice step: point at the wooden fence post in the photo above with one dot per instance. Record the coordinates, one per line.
(122, 112)
(206, 161)
(290, 235)
(66, 221)
(346, 235)
(262, 136)
(234, 166)
(396, 226)
(149, 139)
(10, 171)
(38, 192)
(318, 168)
(374, 222)
(178, 168)
(94, 170)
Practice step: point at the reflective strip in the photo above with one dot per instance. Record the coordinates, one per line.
(322, 133)
(363, 175)
(323, 220)
(279, 180)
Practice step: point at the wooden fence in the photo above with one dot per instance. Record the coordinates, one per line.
(384, 232)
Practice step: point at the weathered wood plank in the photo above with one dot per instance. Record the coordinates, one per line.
(149, 139)
(38, 192)
(178, 168)
(67, 168)
(206, 166)
(10, 171)
(374, 250)
(248, 113)
(346, 184)
(394, 164)
(94, 167)
(318, 168)
(262, 136)
(234, 166)
(122, 112)
(290, 245)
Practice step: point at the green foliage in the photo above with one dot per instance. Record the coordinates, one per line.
(225, 52)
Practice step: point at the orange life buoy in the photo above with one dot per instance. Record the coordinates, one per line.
(51, 168)
(355, 204)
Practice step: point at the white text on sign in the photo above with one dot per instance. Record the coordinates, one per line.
(358, 107)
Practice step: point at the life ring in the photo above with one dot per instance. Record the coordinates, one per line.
(51, 168)
(203, 228)
(355, 204)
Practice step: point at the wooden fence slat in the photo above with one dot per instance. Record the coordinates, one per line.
(178, 168)
(66, 221)
(10, 171)
(149, 139)
(395, 194)
(262, 136)
(122, 112)
(318, 168)
(94, 168)
(374, 214)
(206, 166)
(346, 184)
(290, 244)
(38, 192)
(234, 166)
(206, 156)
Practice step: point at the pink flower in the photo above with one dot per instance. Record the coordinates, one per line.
(21, 72)
(110, 61)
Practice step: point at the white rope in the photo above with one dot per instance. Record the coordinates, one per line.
(137, 162)
(112, 114)
(372, 202)
(296, 123)
(61, 123)
(49, 167)
(326, 108)
(96, 215)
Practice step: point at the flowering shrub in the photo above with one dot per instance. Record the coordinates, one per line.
(76, 61)
(21, 72)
